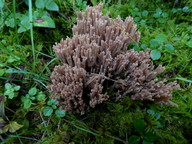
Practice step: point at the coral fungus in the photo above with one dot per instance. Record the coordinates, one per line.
(96, 59)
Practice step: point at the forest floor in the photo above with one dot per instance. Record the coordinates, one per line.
(29, 115)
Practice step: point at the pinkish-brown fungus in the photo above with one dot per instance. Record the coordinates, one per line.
(96, 59)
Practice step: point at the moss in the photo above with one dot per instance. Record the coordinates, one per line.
(109, 123)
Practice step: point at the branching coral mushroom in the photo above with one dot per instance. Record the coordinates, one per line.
(96, 59)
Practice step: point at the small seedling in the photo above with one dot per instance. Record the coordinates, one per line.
(81, 4)
(52, 105)
(10, 90)
(33, 94)
(158, 45)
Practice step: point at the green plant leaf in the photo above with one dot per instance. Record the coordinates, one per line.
(27, 102)
(2, 123)
(24, 25)
(174, 10)
(151, 112)
(164, 14)
(158, 11)
(47, 111)
(79, 2)
(8, 86)
(157, 115)
(2, 2)
(40, 96)
(27, 96)
(145, 13)
(156, 15)
(39, 13)
(7, 92)
(136, 19)
(16, 94)
(1, 72)
(189, 43)
(32, 98)
(52, 6)
(11, 94)
(10, 22)
(55, 102)
(40, 4)
(161, 20)
(60, 113)
(50, 102)
(185, 9)
(169, 48)
(152, 20)
(159, 125)
(54, 106)
(134, 139)
(161, 38)
(138, 14)
(142, 22)
(45, 21)
(84, 5)
(135, 46)
(16, 88)
(143, 46)
(139, 125)
(32, 91)
(12, 127)
(155, 54)
(12, 59)
(154, 43)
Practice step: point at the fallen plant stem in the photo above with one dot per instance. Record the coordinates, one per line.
(124, 31)
(44, 123)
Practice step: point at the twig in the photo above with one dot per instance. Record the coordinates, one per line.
(44, 123)
(124, 31)
(92, 74)
(10, 110)
(104, 77)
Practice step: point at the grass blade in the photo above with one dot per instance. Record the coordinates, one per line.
(184, 79)
(15, 21)
(31, 31)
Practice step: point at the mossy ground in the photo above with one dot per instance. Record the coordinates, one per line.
(121, 122)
